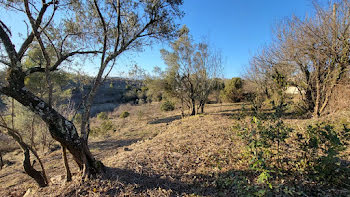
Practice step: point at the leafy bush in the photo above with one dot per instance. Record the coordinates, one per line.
(130, 95)
(167, 106)
(233, 90)
(102, 116)
(320, 147)
(314, 154)
(264, 148)
(105, 127)
(124, 114)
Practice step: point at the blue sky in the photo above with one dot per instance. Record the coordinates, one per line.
(236, 27)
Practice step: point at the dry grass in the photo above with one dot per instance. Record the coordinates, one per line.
(152, 153)
(339, 99)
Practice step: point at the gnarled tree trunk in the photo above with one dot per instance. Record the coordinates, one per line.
(66, 164)
(1, 161)
(60, 128)
(38, 176)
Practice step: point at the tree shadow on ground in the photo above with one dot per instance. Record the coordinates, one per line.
(165, 120)
(142, 184)
(118, 182)
(226, 105)
(263, 114)
(111, 144)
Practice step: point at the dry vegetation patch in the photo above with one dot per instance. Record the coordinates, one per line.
(158, 154)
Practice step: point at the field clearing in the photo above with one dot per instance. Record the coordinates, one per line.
(155, 153)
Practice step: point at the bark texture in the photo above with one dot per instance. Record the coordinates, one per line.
(60, 128)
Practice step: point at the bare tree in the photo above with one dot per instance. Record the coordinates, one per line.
(319, 47)
(313, 51)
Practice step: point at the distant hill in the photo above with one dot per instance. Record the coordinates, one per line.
(110, 94)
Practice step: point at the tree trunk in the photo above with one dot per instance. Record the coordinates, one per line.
(38, 176)
(201, 107)
(1, 161)
(66, 164)
(32, 134)
(309, 101)
(60, 128)
(193, 107)
(182, 108)
(31, 171)
(318, 93)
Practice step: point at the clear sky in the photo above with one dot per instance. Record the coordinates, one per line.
(236, 27)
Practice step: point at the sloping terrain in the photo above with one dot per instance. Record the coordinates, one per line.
(151, 153)
(161, 154)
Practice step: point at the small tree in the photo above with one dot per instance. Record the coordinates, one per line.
(209, 66)
(191, 71)
(233, 91)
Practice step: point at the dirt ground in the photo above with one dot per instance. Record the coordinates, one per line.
(149, 153)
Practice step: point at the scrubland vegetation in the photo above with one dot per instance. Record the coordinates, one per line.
(283, 129)
(223, 152)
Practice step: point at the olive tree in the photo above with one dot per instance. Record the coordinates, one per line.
(191, 70)
(71, 28)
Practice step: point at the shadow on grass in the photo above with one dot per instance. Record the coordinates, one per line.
(165, 120)
(111, 144)
(227, 105)
(133, 183)
(265, 114)
(230, 183)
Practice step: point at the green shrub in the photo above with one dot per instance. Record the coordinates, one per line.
(233, 90)
(314, 155)
(321, 146)
(263, 148)
(167, 106)
(124, 114)
(102, 116)
(105, 127)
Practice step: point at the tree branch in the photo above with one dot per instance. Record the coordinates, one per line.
(31, 36)
(10, 48)
(58, 62)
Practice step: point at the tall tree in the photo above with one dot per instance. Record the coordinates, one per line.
(107, 28)
(191, 70)
(123, 26)
(208, 68)
(315, 50)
